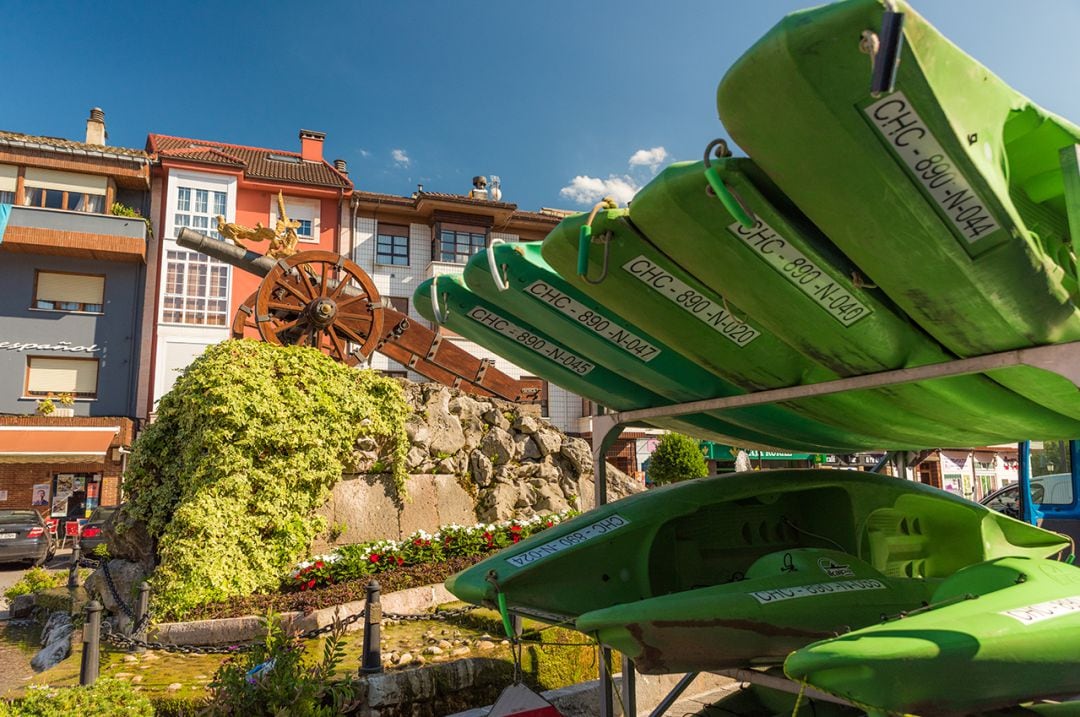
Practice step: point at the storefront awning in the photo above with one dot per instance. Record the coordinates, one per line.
(63, 444)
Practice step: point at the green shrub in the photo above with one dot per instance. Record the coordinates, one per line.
(34, 581)
(677, 457)
(276, 678)
(105, 698)
(244, 449)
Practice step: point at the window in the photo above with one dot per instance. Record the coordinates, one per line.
(457, 245)
(69, 292)
(74, 192)
(196, 290)
(45, 375)
(9, 176)
(392, 245)
(199, 209)
(302, 210)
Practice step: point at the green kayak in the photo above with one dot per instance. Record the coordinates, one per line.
(948, 191)
(1008, 627)
(555, 360)
(781, 266)
(785, 600)
(703, 324)
(558, 309)
(690, 536)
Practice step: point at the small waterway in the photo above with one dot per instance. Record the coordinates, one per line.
(18, 643)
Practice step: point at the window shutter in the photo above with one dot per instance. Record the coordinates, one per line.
(76, 288)
(9, 174)
(62, 375)
(66, 181)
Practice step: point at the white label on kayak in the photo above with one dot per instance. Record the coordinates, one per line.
(904, 130)
(531, 341)
(589, 532)
(593, 320)
(804, 591)
(1045, 610)
(793, 265)
(712, 314)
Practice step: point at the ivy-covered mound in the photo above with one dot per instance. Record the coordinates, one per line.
(244, 449)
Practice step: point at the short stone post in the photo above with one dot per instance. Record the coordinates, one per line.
(371, 662)
(88, 671)
(142, 605)
(73, 571)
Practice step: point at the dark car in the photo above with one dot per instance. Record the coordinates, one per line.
(24, 536)
(93, 532)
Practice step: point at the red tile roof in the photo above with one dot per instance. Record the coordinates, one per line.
(257, 162)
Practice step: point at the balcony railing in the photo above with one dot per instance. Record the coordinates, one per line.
(64, 221)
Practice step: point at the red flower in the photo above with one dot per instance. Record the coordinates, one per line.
(374, 557)
(550, 524)
(319, 564)
(400, 561)
(418, 542)
(515, 528)
(517, 538)
(309, 584)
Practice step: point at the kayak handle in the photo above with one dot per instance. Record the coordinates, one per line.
(440, 314)
(585, 239)
(498, 277)
(884, 50)
(717, 188)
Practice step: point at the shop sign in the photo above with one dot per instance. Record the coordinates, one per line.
(58, 346)
(719, 452)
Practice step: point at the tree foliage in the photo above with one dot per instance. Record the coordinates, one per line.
(243, 450)
(677, 457)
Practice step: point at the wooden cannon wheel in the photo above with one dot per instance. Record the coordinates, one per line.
(319, 299)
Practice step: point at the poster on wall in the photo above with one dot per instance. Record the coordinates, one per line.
(40, 494)
(65, 483)
(3, 495)
(78, 483)
(92, 490)
(59, 506)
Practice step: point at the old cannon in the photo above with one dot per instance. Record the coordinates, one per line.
(324, 300)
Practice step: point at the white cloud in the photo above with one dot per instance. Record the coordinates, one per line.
(364, 153)
(590, 190)
(651, 158)
(400, 158)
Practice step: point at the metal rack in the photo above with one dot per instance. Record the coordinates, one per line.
(1062, 359)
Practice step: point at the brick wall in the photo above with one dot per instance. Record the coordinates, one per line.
(19, 479)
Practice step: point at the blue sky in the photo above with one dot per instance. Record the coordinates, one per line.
(538, 93)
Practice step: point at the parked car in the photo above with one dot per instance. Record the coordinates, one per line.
(93, 532)
(24, 536)
(1053, 489)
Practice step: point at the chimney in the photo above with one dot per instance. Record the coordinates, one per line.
(339, 165)
(311, 144)
(95, 127)
(479, 190)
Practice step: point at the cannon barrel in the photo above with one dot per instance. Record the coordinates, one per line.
(227, 252)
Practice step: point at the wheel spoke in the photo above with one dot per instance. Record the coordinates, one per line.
(352, 300)
(322, 277)
(340, 287)
(288, 286)
(313, 293)
(335, 340)
(352, 335)
(283, 306)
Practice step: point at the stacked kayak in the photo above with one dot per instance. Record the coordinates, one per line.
(556, 360)
(1009, 627)
(692, 287)
(947, 192)
(745, 567)
(552, 305)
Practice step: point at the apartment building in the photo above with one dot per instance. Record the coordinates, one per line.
(73, 252)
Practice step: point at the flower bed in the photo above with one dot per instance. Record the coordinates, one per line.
(353, 562)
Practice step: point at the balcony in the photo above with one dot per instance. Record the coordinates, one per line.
(63, 233)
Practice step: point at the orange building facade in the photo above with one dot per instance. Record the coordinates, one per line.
(191, 298)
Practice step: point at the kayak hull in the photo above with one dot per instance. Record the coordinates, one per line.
(1009, 626)
(965, 176)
